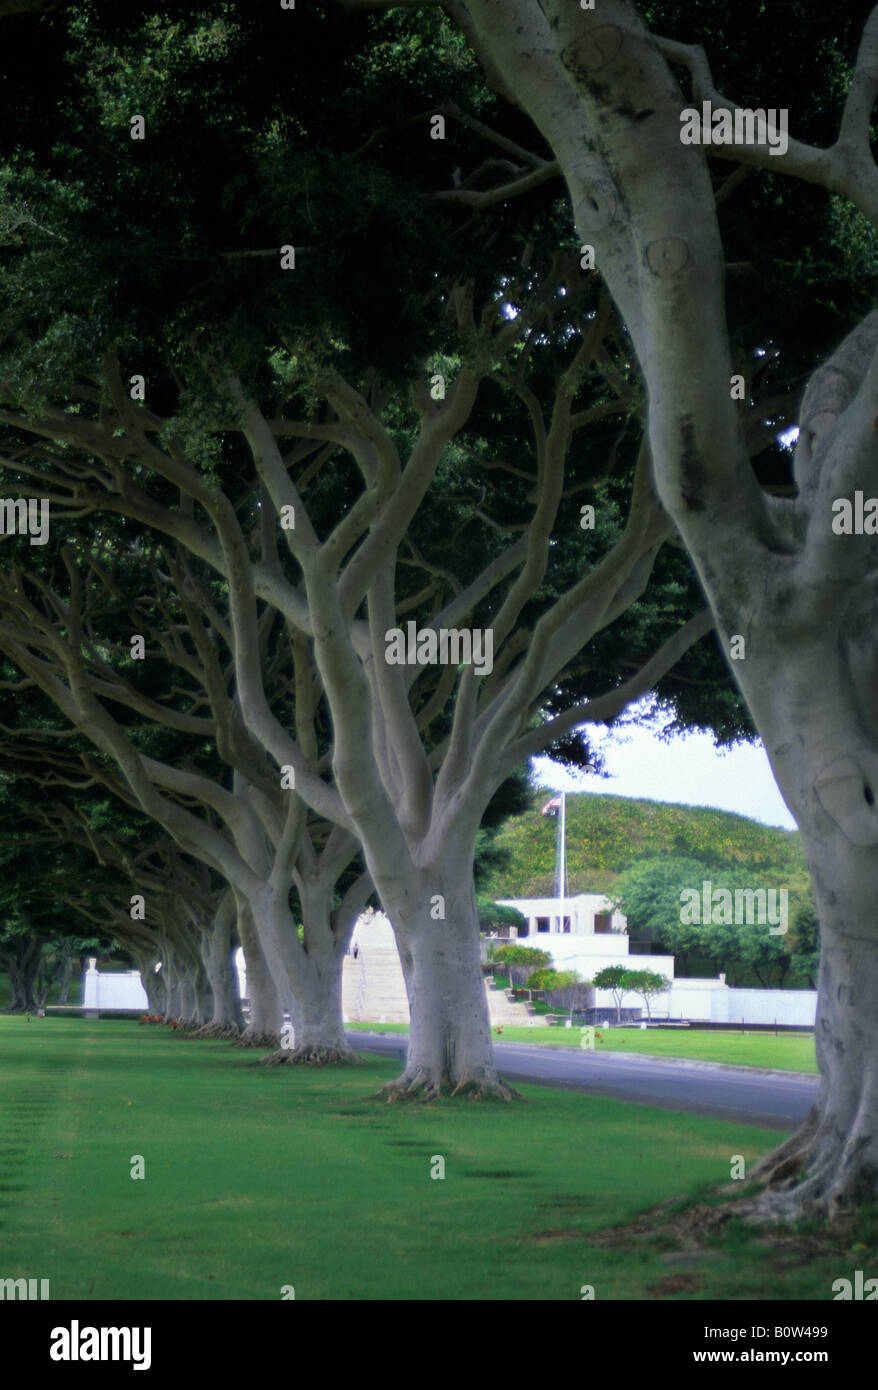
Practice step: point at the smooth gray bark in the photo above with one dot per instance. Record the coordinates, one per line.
(599, 87)
(216, 949)
(314, 975)
(266, 1009)
(153, 981)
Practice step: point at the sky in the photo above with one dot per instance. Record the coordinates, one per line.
(688, 770)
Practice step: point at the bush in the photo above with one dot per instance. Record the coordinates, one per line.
(493, 915)
(547, 978)
(522, 955)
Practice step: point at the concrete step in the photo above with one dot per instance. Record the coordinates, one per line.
(503, 1010)
(373, 988)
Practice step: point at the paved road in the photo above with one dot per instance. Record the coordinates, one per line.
(772, 1099)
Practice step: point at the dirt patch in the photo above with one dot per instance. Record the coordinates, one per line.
(701, 1226)
(687, 1230)
(675, 1283)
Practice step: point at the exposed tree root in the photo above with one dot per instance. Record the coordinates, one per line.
(817, 1172)
(424, 1085)
(188, 1027)
(214, 1030)
(821, 1193)
(248, 1039)
(311, 1055)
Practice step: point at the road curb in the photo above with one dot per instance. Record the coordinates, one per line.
(537, 1048)
(672, 1061)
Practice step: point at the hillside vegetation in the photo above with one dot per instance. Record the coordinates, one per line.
(607, 834)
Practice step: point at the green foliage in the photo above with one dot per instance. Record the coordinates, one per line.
(606, 835)
(646, 983)
(649, 893)
(493, 915)
(611, 977)
(521, 955)
(547, 978)
(804, 943)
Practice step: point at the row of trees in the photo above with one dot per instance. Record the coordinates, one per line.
(251, 486)
(296, 484)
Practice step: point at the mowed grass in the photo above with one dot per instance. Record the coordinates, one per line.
(786, 1052)
(259, 1178)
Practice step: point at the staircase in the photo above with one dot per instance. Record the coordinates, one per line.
(504, 1011)
(373, 986)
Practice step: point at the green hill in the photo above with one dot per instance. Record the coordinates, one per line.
(605, 834)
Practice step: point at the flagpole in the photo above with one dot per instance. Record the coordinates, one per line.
(563, 853)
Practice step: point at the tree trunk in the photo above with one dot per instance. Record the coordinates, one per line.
(808, 703)
(187, 1016)
(216, 954)
(450, 1050)
(316, 1016)
(831, 1164)
(66, 973)
(266, 1010)
(778, 572)
(176, 986)
(202, 996)
(312, 977)
(23, 966)
(153, 984)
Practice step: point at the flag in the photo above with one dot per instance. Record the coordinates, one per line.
(552, 807)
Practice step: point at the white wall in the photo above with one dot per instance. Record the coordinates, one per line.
(796, 1006)
(113, 990)
(712, 1001)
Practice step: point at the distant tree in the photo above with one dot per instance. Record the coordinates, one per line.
(547, 978)
(646, 983)
(495, 915)
(522, 955)
(804, 943)
(613, 978)
(649, 892)
(521, 959)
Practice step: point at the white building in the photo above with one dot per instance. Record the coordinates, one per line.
(588, 914)
(586, 934)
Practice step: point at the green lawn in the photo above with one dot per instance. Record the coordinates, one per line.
(259, 1178)
(787, 1052)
